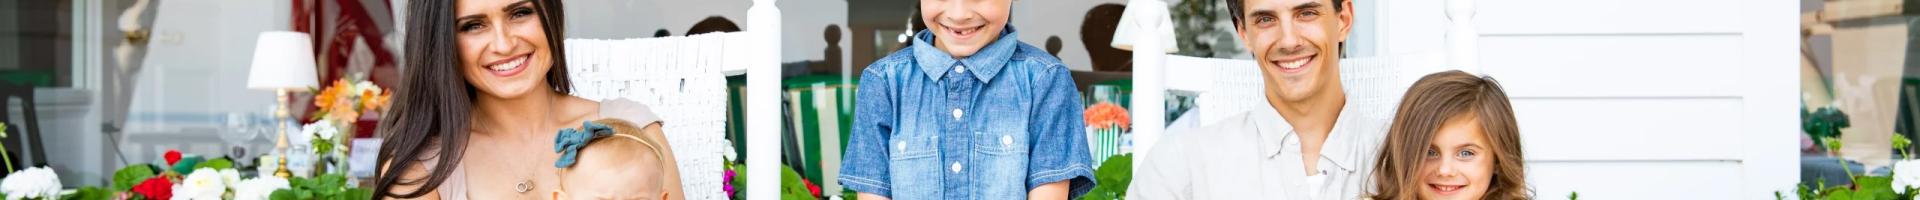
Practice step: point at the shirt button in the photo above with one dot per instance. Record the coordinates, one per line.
(957, 114)
(903, 146)
(1006, 140)
(956, 167)
(959, 69)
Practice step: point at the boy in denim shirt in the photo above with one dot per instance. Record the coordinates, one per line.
(967, 112)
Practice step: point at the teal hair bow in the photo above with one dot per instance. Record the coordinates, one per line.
(570, 141)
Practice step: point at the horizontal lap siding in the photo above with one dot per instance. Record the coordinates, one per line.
(1630, 99)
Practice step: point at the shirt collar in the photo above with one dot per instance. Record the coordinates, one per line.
(1339, 147)
(983, 64)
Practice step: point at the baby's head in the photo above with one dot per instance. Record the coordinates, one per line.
(607, 159)
(1453, 137)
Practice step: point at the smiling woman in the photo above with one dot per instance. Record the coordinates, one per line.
(490, 75)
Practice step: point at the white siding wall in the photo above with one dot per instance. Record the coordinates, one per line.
(1636, 99)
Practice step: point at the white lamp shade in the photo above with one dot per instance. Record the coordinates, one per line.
(282, 60)
(1144, 14)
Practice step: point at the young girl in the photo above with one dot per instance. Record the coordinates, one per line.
(620, 164)
(1454, 137)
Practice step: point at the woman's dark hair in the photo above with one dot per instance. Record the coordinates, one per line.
(1433, 101)
(426, 127)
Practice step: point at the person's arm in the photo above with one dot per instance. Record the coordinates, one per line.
(1050, 191)
(672, 185)
(871, 196)
(1058, 160)
(863, 167)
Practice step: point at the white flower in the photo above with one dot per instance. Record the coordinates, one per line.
(230, 177)
(202, 184)
(728, 152)
(1906, 173)
(32, 183)
(322, 129)
(258, 188)
(365, 87)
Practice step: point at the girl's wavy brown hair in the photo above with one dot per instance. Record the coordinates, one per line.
(1432, 101)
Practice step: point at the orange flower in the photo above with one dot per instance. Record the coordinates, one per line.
(330, 95)
(371, 102)
(1103, 115)
(343, 113)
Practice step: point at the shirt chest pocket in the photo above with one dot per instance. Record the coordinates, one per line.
(1003, 141)
(913, 163)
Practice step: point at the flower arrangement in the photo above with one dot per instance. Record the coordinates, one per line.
(1107, 125)
(1105, 115)
(182, 177)
(339, 105)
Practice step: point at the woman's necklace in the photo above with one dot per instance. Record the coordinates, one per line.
(526, 183)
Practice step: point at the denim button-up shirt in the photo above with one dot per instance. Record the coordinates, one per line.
(993, 125)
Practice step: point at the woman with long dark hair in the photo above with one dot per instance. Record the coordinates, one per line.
(483, 94)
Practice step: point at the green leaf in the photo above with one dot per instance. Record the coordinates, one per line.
(790, 186)
(88, 193)
(187, 164)
(357, 193)
(1113, 177)
(127, 177)
(282, 194)
(1901, 141)
(321, 146)
(328, 181)
(217, 163)
(1873, 187)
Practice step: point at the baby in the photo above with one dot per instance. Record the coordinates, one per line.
(619, 165)
(1454, 137)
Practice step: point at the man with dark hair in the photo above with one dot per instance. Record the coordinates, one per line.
(1309, 139)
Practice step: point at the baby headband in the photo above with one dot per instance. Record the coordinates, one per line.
(570, 141)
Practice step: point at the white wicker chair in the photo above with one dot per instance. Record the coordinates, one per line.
(683, 79)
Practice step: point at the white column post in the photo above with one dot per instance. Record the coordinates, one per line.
(763, 80)
(1149, 86)
(1463, 43)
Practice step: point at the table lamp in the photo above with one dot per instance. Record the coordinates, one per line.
(282, 62)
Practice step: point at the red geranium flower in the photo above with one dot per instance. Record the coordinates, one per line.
(157, 187)
(173, 156)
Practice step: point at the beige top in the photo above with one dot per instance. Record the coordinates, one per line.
(1256, 155)
(455, 187)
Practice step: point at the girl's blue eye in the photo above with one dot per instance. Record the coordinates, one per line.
(1465, 155)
